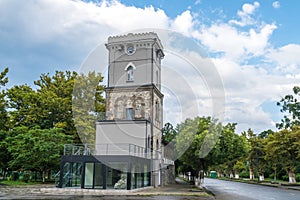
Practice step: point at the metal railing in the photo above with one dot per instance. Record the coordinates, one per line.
(79, 149)
(122, 116)
(111, 149)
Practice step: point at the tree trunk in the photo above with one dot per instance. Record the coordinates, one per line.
(251, 174)
(261, 177)
(201, 173)
(43, 176)
(49, 175)
(237, 176)
(292, 176)
(231, 175)
(275, 174)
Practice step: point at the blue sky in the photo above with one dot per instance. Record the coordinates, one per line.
(254, 45)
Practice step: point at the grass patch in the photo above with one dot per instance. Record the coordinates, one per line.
(17, 183)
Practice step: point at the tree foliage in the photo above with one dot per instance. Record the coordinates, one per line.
(35, 123)
(168, 132)
(256, 154)
(3, 103)
(4, 155)
(283, 149)
(229, 148)
(35, 148)
(88, 104)
(291, 106)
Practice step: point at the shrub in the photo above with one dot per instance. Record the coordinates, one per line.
(285, 178)
(14, 176)
(297, 177)
(244, 174)
(26, 177)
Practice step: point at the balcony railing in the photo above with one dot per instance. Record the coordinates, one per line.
(111, 149)
(122, 116)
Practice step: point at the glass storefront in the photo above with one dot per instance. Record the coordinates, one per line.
(96, 175)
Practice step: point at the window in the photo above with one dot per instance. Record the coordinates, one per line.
(129, 113)
(119, 109)
(139, 108)
(130, 73)
(157, 111)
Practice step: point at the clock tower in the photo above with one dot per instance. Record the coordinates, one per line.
(134, 102)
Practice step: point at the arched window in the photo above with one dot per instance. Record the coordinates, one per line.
(130, 73)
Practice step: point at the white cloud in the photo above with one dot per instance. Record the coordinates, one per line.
(245, 14)
(197, 2)
(183, 23)
(287, 59)
(49, 33)
(286, 55)
(276, 4)
(236, 44)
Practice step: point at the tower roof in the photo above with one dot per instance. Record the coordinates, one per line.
(135, 37)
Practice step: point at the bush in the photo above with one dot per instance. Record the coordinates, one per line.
(14, 176)
(297, 177)
(26, 177)
(244, 174)
(285, 178)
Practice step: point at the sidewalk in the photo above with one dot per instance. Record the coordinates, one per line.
(278, 185)
(180, 190)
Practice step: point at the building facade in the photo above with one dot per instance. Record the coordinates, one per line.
(128, 151)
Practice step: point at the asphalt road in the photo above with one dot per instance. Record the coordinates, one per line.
(227, 190)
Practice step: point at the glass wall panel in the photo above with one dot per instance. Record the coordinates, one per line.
(117, 175)
(76, 174)
(139, 180)
(133, 177)
(89, 173)
(146, 176)
(99, 172)
(66, 182)
(138, 175)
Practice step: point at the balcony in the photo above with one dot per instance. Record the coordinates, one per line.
(126, 115)
(111, 149)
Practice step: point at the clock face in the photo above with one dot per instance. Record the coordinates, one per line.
(130, 50)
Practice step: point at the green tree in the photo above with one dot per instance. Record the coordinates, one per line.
(192, 135)
(229, 149)
(65, 100)
(35, 148)
(282, 148)
(168, 132)
(88, 104)
(24, 105)
(238, 167)
(4, 155)
(290, 105)
(3, 112)
(256, 155)
(55, 94)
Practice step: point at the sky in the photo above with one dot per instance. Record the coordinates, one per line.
(253, 45)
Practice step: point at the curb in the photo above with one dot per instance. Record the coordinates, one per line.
(264, 184)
